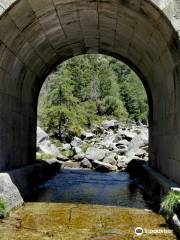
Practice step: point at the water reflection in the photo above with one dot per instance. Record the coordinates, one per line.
(82, 186)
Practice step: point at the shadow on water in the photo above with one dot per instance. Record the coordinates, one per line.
(91, 187)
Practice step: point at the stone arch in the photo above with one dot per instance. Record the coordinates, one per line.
(36, 35)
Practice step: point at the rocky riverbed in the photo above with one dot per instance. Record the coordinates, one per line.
(82, 204)
(109, 147)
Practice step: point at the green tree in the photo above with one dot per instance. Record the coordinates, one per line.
(86, 89)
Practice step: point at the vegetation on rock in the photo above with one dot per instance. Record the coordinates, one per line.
(2, 208)
(44, 156)
(170, 204)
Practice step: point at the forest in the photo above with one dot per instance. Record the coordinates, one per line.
(86, 90)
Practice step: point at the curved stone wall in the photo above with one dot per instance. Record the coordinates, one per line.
(35, 36)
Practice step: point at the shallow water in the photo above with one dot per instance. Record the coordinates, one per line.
(83, 186)
(82, 205)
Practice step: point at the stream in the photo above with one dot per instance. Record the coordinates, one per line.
(83, 204)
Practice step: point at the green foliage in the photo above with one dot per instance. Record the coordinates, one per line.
(67, 153)
(2, 208)
(85, 147)
(135, 102)
(170, 204)
(44, 156)
(112, 106)
(87, 89)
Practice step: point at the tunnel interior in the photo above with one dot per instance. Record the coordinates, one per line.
(36, 36)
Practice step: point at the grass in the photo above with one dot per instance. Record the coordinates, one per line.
(170, 204)
(2, 208)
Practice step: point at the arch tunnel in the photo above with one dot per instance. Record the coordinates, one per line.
(36, 36)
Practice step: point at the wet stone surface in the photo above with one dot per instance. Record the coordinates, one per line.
(79, 204)
(78, 221)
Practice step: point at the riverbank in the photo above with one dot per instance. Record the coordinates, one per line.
(110, 146)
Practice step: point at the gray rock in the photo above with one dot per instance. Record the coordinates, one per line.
(79, 157)
(108, 140)
(77, 150)
(175, 189)
(77, 142)
(48, 148)
(87, 135)
(138, 142)
(127, 135)
(122, 150)
(122, 143)
(9, 193)
(44, 145)
(122, 162)
(145, 148)
(41, 136)
(63, 158)
(112, 147)
(122, 159)
(94, 153)
(116, 150)
(85, 163)
(104, 167)
(141, 153)
(66, 147)
(111, 159)
(112, 124)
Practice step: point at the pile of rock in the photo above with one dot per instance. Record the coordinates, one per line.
(44, 144)
(109, 147)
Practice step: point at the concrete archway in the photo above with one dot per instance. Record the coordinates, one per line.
(36, 35)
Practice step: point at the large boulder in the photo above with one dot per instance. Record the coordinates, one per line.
(87, 136)
(111, 159)
(9, 193)
(44, 145)
(124, 143)
(112, 124)
(103, 167)
(48, 148)
(77, 142)
(108, 140)
(127, 134)
(77, 145)
(41, 136)
(95, 153)
(122, 150)
(140, 141)
(65, 147)
(122, 162)
(79, 157)
(112, 147)
(85, 163)
(141, 153)
(62, 158)
(77, 150)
